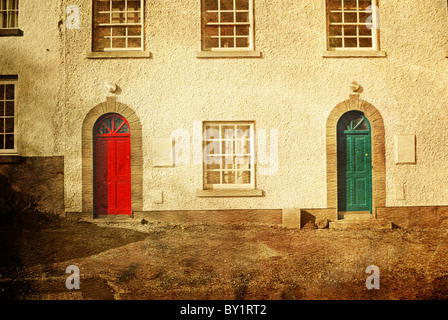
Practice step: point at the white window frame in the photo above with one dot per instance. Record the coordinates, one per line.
(111, 25)
(218, 24)
(11, 151)
(8, 13)
(374, 28)
(251, 155)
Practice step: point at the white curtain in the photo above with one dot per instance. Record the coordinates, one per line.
(8, 18)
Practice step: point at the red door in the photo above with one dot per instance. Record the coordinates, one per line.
(112, 166)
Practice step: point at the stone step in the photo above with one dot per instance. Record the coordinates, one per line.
(368, 224)
(361, 215)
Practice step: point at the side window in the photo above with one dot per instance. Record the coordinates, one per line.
(9, 18)
(8, 116)
(117, 25)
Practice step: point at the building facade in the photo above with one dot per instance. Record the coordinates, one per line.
(131, 107)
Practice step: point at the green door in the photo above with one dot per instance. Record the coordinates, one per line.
(354, 163)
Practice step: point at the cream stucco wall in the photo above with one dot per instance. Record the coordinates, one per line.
(292, 88)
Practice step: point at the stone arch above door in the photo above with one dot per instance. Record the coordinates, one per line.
(112, 106)
(378, 150)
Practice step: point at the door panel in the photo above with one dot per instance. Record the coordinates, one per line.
(112, 175)
(354, 167)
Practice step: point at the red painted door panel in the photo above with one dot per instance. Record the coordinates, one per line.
(112, 174)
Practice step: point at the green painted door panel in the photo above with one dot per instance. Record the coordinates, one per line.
(354, 169)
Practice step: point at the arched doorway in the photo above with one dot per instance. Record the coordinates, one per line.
(112, 166)
(378, 152)
(354, 163)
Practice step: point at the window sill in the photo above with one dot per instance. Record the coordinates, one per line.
(354, 54)
(11, 33)
(228, 54)
(118, 54)
(229, 193)
(9, 158)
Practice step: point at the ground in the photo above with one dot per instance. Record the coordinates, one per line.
(165, 261)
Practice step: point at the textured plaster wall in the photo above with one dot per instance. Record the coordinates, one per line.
(36, 57)
(292, 88)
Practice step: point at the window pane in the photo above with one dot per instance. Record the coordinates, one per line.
(211, 42)
(227, 30)
(107, 123)
(350, 17)
(213, 177)
(226, 4)
(2, 125)
(335, 4)
(9, 125)
(242, 30)
(365, 42)
(242, 42)
(228, 162)
(100, 42)
(227, 43)
(350, 42)
(12, 19)
(350, 5)
(119, 31)
(243, 177)
(242, 147)
(365, 17)
(2, 108)
(118, 17)
(242, 17)
(211, 31)
(211, 132)
(14, 4)
(118, 43)
(9, 108)
(335, 17)
(227, 17)
(123, 129)
(2, 91)
(9, 141)
(118, 5)
(335, 42)
(243, 162)
(134, 5)
(102, 5)
(228, 147)
(134, 31)
(364, 4)
(335, 30)
(365, 31)
(134, 42)
(2, 141)
(211, 17)
(102, 18)
(228, 132)
(212, 163)
(211, 4)
(228, 177)
(350, 30)
(133, 17)
(9, 92)
(242, 4)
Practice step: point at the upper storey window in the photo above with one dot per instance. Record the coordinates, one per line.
(352, 24)
(117, 25)
(227, 25)
(9, 14)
